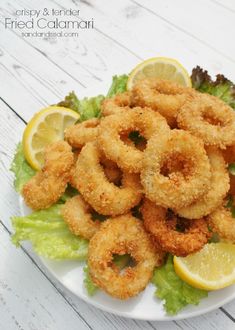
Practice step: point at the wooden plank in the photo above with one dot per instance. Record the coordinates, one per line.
(148, 35)
(185, 17)
(30, 81)
(27, 299)
(227, 4)
(89, 56)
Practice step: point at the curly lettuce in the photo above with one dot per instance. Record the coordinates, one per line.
(175, 292)
(87, 107)
(220, 87)
(21, 169)
(49, 235)
(118, 85)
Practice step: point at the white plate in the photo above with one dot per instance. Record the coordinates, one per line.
(143, 307)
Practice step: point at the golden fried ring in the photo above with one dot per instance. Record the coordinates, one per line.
(122, 235)
(178, 243)
(219, 186)
(210, 119)
(78, 135)
(188, 169)
(115, 104)
(77, 214)
(112, 172)
(222, 222)
(102, 195)
(127, 157)
(162, 96)
(47, 186)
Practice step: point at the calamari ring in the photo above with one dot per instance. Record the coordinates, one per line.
(222, 222)
(127, 157)
(78, 135)
(122, 235)
(178, 243)
(77, 214)
(210, 119)
(219, 186)
(102, 195)
(47, 186)
(176, 169)
(162, 96)
(112, 172)
(115, 104)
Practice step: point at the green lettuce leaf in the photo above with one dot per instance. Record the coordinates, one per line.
(87, 107)
(22, 170)
(49, 235)
(221, 87)
(118, 85)
(175, 292)
(71, 101)
(90, 107)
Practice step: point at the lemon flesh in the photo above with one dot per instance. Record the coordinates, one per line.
(45, 127)
(162, 68)
(211, 268)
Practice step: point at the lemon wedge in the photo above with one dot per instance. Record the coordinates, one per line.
(160, 67)
(45, 127)
(211, 268)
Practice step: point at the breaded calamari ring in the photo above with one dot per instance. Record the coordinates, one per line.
(163, 96)
(178, 243)
(219, 186)
(79, 134)
(122, 235)
(102, 195)
(47, 186)
(176, 169)
(115, 104)
(210, 119)
(77, 214)
(112, 172)
(222, 222)
(145, 121)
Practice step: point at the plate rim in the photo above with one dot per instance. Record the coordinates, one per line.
(92, 302)
(166, 318)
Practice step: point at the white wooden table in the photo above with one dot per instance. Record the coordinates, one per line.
(35, 72)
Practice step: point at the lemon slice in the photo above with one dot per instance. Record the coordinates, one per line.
(160, 67)
(211, 268)
(45, 127)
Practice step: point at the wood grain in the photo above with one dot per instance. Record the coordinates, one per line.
(37, 72)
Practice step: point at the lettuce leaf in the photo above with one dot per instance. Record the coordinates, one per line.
(70, 101)
(221, 87)
(87, 107)
(118, 85)
(90, 107)
(176, 293)
(49, 235)
(22, 170)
